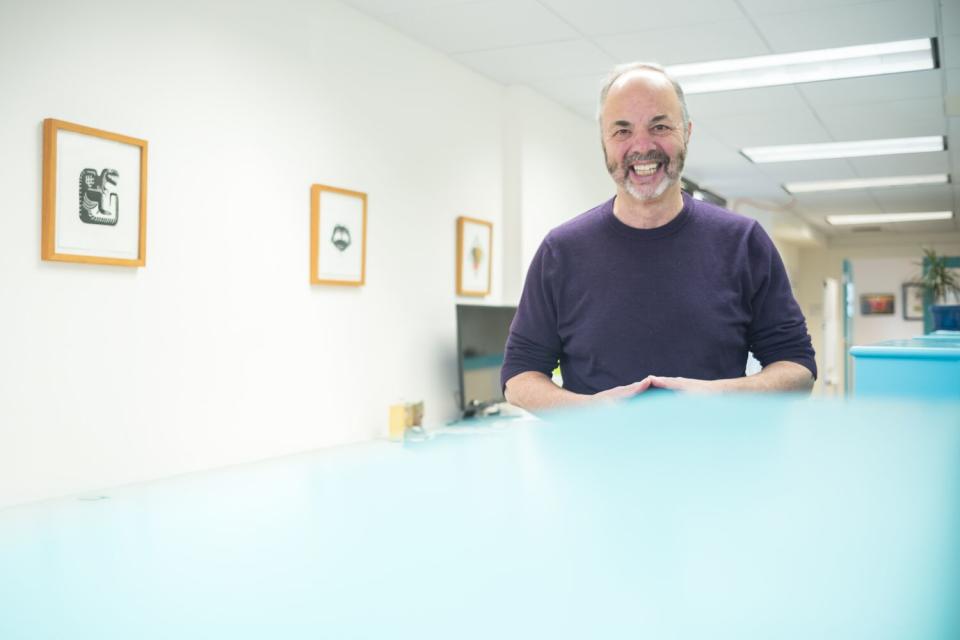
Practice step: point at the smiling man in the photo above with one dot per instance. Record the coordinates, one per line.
(653, 288)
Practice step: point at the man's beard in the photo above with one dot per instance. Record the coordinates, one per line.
(671, 172)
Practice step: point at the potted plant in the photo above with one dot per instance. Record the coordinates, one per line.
(942, 283)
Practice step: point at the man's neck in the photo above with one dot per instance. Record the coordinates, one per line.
(648, 214)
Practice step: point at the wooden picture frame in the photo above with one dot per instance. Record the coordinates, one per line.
(474, 256)
(913, 301)
(338, 236)
(94, 196)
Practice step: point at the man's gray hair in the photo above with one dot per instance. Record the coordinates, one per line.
(622, 69)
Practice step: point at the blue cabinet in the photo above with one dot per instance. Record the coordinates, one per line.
(922, 367)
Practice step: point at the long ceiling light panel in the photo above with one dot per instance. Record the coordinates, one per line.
(806, 66)
(864, 183)
(856, 149)
(883, 218)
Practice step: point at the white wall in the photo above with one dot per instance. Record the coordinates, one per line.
(883, 275)
(219, 351)
(558, 157)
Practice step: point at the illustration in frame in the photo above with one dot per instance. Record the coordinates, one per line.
(94, 196)
(474, 256)
(338, 236)
(912, 301)
(876, 304)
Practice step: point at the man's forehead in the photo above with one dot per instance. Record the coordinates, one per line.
(641, 90)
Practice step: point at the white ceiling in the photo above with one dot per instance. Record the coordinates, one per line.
(563, 48)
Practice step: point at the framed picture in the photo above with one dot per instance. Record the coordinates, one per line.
(474, 256)
(338, 236)
(912, 301)
(876, 304)
(94, 196)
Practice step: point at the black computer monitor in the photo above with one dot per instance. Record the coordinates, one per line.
(481, 335)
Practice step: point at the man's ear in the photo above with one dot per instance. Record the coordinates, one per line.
(686, 137)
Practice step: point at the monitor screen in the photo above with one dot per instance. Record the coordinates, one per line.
(481, 335)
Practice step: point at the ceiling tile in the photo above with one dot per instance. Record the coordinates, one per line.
(953, 81)
(896, 86)
(825, 202)
(913, 232)
(933, 227)
(761, 129)
(903, 165)
(899, 228)
(781, 172)
(722, 169)
(849, 25)
(706, 148)
(522, 65)
(384, 8)
(759, 192)
(579, 93)
(950, 17)
(738, 190)
(706, 106)
(604, 17)
(930, 198)
(774, 7)
(950, 52)
(899, 119)
(953, 126)
(701, 42)
(484, 25)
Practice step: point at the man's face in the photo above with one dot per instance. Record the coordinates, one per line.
(644, 140)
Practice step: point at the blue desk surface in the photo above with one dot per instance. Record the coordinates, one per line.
(938, 347)
(667, 517)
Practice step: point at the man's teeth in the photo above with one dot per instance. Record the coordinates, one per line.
(646, 169)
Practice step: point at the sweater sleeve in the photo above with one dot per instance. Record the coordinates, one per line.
(778, 330)
(534, 343)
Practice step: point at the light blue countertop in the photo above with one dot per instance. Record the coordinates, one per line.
(933, 346)
(666, 517)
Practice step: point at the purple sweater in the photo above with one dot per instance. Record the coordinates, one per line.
(614, 304)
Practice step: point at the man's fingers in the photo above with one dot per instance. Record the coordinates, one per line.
(662, 382)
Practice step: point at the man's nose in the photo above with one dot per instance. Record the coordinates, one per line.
(642, 145)
(642, 142)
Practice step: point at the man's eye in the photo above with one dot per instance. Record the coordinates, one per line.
(662, 128)
(621, 132)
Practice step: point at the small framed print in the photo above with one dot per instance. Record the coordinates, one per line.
(94, 196)
(876, 304)
(338, 236)
(912, 301)
(474, 256)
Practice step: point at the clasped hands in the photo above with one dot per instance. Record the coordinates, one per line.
(689, 385)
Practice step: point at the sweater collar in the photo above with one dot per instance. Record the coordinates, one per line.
(668, 229)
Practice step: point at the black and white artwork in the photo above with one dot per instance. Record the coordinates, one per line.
(341, 237)
(88, 175)
(338, 245)
(99, 199)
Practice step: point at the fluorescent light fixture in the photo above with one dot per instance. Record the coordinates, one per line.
(883, 218)
(864, 183)
(806, 66)
(855, 149)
